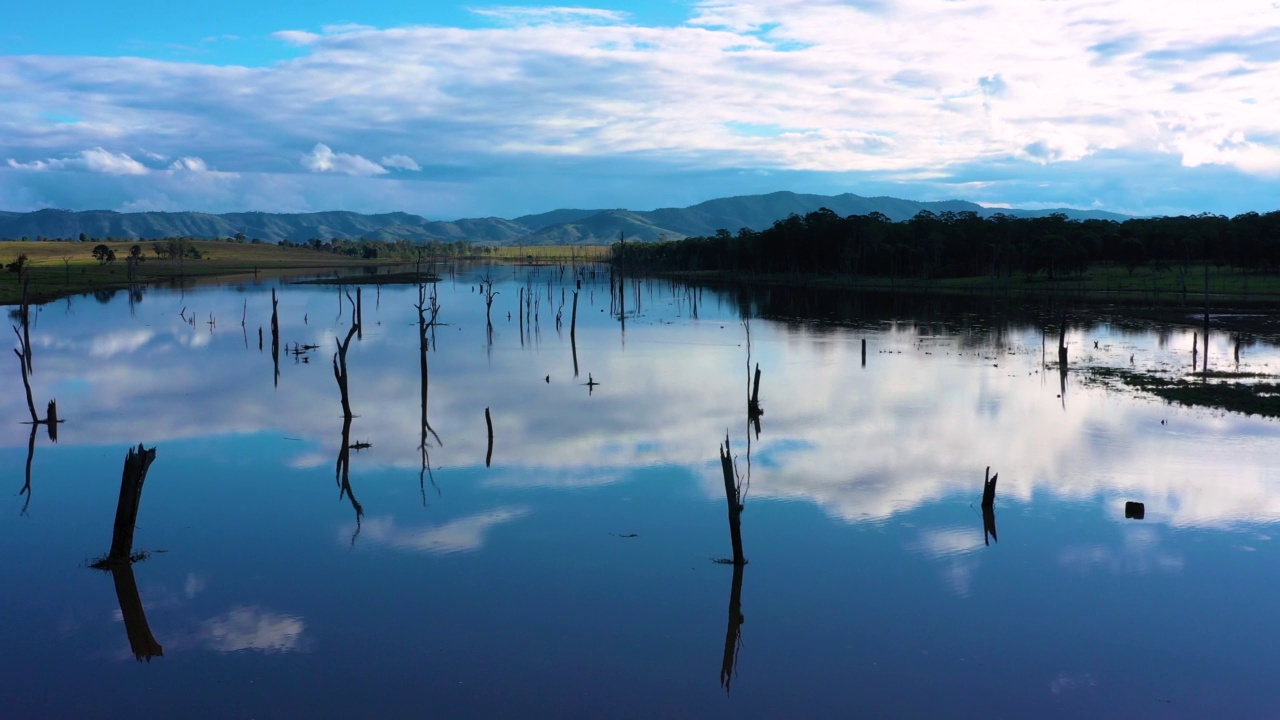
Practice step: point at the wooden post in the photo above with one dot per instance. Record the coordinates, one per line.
(136, 464)
(864, 352)
(359, 315)
(734, 501)
(488, 420)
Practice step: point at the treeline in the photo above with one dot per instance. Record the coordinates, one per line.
(964, 244)
(394, 249)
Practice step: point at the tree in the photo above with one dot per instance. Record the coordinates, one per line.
(103, 254)
(84, 238)
(135, 254)
(18, 266)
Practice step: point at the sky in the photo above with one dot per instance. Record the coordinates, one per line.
(453, 110)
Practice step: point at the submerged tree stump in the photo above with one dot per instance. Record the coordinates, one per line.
(733, 497)
(136, 464)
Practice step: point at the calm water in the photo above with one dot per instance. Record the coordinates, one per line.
(574, 577)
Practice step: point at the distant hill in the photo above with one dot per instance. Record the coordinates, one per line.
(557, 227)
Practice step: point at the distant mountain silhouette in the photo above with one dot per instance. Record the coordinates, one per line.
(557, 227)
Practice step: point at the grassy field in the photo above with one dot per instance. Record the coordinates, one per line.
(59, 269)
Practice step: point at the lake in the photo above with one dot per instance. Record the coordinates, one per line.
(575, 573)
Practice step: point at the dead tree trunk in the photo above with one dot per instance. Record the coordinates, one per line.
(488, 421)
(573, 332)
(733, 497)
(136, 464)
(275, 336)
(1062, 343)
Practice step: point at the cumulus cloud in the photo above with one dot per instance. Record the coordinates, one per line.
(460, 535)
(252, 628)
(401, 162)
(95, 160)
(323, 159)
(886, 89)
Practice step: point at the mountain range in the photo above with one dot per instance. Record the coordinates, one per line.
(558, 227)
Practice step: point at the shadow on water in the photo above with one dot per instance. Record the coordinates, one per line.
(120, 558)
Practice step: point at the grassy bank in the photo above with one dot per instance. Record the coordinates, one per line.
(58, 269)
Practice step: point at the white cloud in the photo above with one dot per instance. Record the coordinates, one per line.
(190, 164)
(460, 535)
(402, 162)
(296, 37)
(323, 159)
(889, 90)
(529, 15)
(252, 628)
(93, 160)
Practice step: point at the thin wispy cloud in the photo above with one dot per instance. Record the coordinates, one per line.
(917, 93)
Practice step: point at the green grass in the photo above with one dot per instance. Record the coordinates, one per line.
(60, 269)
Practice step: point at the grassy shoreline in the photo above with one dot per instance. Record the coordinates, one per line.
(60, 269)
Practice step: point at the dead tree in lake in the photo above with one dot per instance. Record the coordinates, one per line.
(120, 558)
(573, 330)
(989, 507)
(424, 343)
(275, 336)
(342, 469)
(734, 493)
(488, 421)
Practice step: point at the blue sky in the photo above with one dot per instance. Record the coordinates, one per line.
(458, 110)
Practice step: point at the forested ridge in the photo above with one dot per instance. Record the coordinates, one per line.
(965, 244)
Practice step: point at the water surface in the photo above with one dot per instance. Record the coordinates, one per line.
(574, 576)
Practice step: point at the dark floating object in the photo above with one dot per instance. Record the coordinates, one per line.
(1135, 510)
